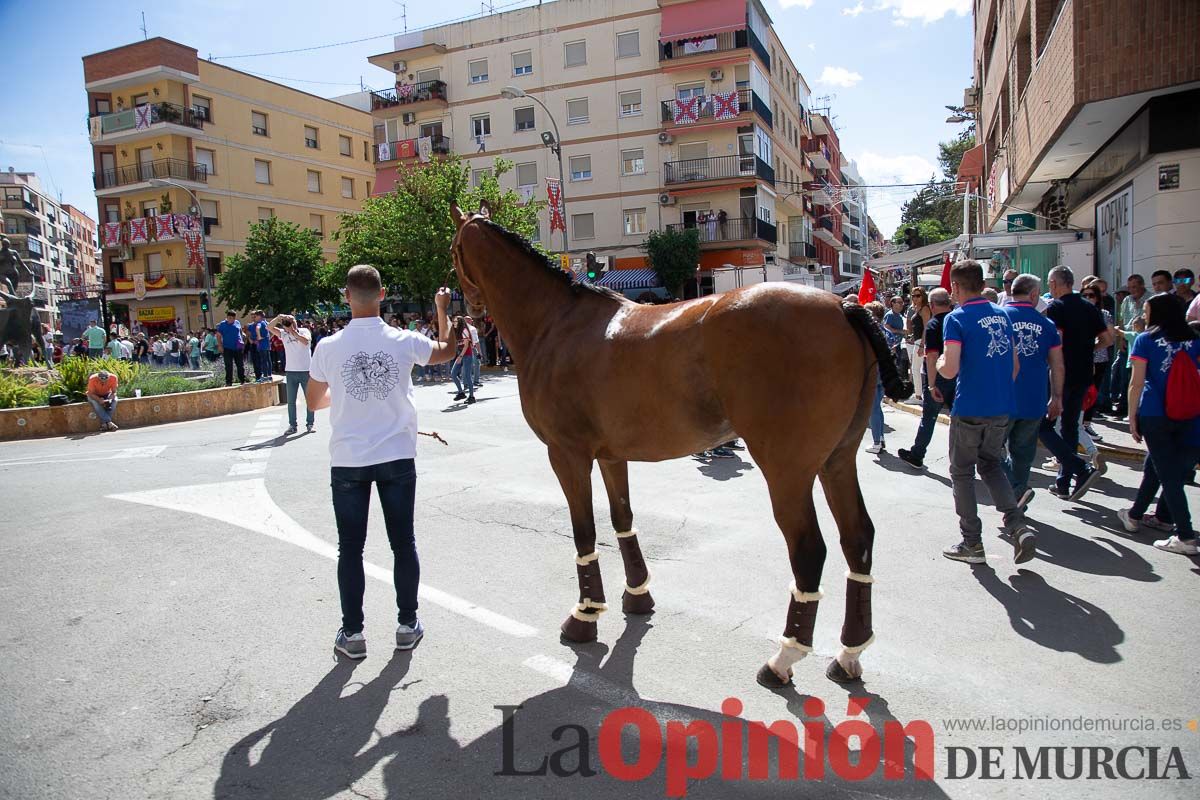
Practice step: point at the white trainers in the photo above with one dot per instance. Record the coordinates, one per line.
(876, 449)
(1130, 524)
(1186, 547)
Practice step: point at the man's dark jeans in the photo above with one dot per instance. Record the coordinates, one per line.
(233, 357)
(397, 485)
(930, 409)
(1172, 458)
(1064, 446)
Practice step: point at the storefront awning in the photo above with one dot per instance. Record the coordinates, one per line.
(620, 279)
(701, 18)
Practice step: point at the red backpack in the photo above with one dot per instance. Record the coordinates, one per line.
(1182, 402)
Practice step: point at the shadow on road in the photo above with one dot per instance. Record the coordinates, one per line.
(319, 748)
(723, 469)
(1069, 551)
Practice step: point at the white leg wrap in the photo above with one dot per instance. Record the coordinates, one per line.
(860, 577)
(805, 597)
(848, 658)
(790, 651)
(626, 534)
(588, 610)
(645, 587)
(583, 561)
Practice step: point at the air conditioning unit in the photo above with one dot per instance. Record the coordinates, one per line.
(666, 199)
(410, 118)
(716, 75)
(399, 66)
(665, 138)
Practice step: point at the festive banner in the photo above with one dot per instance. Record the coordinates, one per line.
(139, 286)
(193, 244)
(142, 117)
(554, 195)
(138, 227)
(164, 226)
(725, 106)
(406, 148)
(866, 292)
(384, 151)
(425, 148)
(110, 235)
(404, 90)
(945, 284)
(687, 111)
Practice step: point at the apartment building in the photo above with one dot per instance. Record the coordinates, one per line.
(686, 114)
(165, 126)
(83, 253)
(1089, 117)
(43, 233)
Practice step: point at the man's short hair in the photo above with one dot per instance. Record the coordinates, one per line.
(102, 375)
(1136, 277)
(991, 294)
(259, 312)
(897, 299)
(968, 274)
(1010, 274)
(363, 283)
(939, 297)
(876, 309)
(1062, 274)
(1026, 286)
(1161, 273)
(1184, 272)
(230, 314)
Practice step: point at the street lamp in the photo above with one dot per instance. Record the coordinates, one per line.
(160, 182)
(550, 140)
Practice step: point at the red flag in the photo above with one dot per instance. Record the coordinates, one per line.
(946, 273)
(866, 292)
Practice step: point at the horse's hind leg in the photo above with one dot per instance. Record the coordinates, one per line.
(792, 502)
(574, 473)
(839, 477)
(636, 598)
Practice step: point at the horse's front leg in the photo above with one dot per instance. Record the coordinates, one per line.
(636, 598)
(574, 472)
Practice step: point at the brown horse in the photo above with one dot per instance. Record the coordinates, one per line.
(790, 370)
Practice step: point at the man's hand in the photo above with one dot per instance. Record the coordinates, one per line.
(442, 299)
(936, 395)
(1054, 408)
(1133, 428)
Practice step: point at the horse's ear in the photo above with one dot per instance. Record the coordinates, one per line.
(457, 215)
(485, 209)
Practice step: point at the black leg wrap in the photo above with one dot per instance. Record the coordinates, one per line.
(801, 620)
(856, 629)
(591, 586)
(635, 565)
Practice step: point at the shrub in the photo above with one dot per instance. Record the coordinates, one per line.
(73, 374)
(17, 392)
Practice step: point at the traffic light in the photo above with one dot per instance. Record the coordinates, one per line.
(592, 272)
(204, 301)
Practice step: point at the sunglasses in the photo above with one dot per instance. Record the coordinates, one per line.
(1090, 294)
(1183, 281)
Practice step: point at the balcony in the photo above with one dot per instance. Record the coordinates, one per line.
(19, 204)
(411, 96)
(855, 221)
(707, 108)
(693, 170)
(801, 249)
(725, 42)
(731, 230)
(175, 168)
(142, 118)
(407, 148)
(817, 153)
(824, 231)
(22, 226)
(167, 280)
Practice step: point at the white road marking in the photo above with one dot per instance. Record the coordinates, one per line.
(247, 505)
(128, 452)
(597, 686)
(248, 468)
(254, 462)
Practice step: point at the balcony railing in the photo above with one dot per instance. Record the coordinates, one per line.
(708, 169)
(716, 43)
(855, 221)
(826, 223)
(20, 226)
(167, 280)
(408, 148)
(766, 231)
(176, 168)
(731, 230)
(138, 119)
(802, 249)
(408, 93)
(19, 204)
(747, 100)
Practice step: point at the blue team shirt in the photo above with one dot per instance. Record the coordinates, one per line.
(1034, 336)
(263, 337)
(985, 382)
(1158, 354)
(231, 334)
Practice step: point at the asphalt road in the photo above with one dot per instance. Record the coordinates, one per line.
(170, 602)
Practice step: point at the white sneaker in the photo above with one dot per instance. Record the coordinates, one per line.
(876, 449)
(1186, 547)
(1130, 524)
(1051, 465)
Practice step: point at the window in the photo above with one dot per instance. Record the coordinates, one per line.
(258, 123)
(426, 75)
(523, 62)
(527, 174)
(478, 175)
(154, 264)
(581, 168)
(633, 162)
(574, 54)
(481, 125)
(344, 145)
(208, 212)
(310, 137)
(686, 91)
(149, 208)
(693, 150)
(262, 171)
(635, 221)
(202, 108)
(348, 187)
(316, 224)
(265, 213)
(140, 100)
(314, 181)
(112, 212)
(214, 264)
(103, 106)
(631, 103)
(628, 45)
(478, 70)
(523, 118)
(208, 159)
(577, 111)
(583, 226)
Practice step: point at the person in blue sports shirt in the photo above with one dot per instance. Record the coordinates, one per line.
(1039, 347)
(978, 351)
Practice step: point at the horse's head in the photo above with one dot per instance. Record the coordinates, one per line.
(464, 251)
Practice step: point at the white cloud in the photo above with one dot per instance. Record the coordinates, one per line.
(881, 169)
(795, 3)
(853, 12)
(812, 45)
(839, 76)
(926, 11)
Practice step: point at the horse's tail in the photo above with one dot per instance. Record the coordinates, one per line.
(895, 385)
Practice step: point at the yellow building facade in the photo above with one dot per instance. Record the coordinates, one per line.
(166, 125)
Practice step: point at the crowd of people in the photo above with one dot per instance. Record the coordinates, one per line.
(1023, 366)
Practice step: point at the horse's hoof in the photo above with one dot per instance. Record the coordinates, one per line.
(637, 603)
(838, 674)
(574, 630)
(767, 677)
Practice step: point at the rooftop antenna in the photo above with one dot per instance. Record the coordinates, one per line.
(145, 35)
(486, 8)
(403, 14)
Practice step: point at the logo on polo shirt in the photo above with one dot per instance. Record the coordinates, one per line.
(367, 376)
(997, 328)
(1027, 334)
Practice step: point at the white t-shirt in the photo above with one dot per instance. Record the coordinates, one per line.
(474, 338)
(368, 366)
(297, 352)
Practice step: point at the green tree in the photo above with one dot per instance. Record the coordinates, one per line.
(674, 256)
(406, 234)
(280, 270)
(950, 155)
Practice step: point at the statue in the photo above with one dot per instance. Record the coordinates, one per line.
(20, 325)
(11, 270)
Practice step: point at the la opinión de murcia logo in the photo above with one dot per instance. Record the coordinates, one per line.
(734, 749)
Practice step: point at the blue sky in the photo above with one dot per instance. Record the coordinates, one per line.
(890, 66)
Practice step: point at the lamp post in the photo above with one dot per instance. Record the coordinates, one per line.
(551, 140)
(160, 182)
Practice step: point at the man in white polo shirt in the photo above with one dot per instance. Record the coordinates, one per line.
(297, 355)
(363, 374)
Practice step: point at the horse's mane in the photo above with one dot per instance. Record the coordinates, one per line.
(578, 288)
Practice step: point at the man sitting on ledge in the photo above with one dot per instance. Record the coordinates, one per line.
(102, 394)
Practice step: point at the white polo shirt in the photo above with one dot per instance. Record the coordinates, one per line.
(368, 366)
